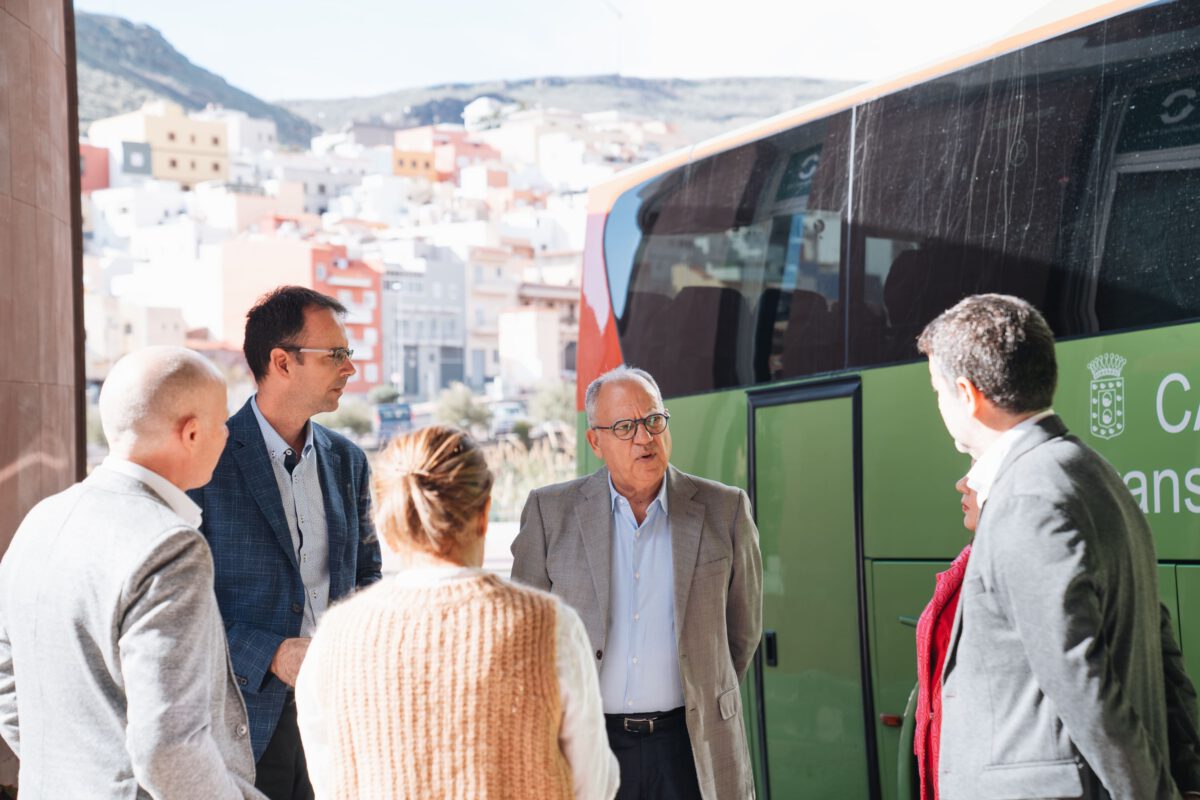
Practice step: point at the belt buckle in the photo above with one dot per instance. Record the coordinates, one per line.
(647, 720)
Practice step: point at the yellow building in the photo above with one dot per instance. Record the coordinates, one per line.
(181, 148)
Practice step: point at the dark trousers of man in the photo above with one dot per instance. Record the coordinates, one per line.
(655, 755)
(282, 772)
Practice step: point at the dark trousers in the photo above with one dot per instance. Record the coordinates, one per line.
(282, 772)
(655, 764)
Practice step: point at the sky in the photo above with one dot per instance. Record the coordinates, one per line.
(285, 49)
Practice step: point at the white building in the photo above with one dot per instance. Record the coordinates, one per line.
(246, 134)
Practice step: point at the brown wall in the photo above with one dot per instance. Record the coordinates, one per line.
(40, 291)
(41, 320)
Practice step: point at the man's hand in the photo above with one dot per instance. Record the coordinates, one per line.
(288, 658)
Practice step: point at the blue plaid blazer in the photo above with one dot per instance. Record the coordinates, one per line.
(257, 579)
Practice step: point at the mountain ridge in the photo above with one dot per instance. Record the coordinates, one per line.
(122, 64)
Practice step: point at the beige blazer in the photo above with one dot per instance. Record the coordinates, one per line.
(565, 547)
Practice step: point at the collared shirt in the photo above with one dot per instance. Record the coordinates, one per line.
(171, 494)
(640, 670)
(304, 507)
(983, 475)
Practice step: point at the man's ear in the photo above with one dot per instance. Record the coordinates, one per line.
(593, 439)
(279, 362)
(970, 395)
(189, 432)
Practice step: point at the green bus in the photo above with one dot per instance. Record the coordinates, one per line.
(774, 280)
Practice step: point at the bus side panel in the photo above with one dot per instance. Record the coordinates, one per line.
(1147, 382)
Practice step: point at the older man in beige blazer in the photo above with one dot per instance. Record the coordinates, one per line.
(664, 568)
(115, 681)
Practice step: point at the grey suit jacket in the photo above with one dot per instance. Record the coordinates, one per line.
(565, 547)
(115, 679)
(1054, 683)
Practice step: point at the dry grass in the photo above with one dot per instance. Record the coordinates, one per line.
(519, 471)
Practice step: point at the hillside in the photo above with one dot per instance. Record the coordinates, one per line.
(700, 108)
(122, 64)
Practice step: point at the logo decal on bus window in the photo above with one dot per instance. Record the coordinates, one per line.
(1107, 396)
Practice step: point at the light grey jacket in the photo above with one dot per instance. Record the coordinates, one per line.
(565, 547)
(115, 680)
(1054, 683)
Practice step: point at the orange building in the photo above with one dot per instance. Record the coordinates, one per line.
(252, 266)
(444, 149)
(93, 168)
(413, 164)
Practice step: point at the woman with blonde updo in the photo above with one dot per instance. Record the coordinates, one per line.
(445, 681)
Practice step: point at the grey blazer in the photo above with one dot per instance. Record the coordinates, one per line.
(115, 680)
(565, 547)
(1054, 683)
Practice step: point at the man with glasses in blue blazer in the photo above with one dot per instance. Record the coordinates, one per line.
(287, 515)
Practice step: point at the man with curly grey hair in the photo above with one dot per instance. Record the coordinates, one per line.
(1060, 658)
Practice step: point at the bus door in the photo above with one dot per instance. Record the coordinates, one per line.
(810, 683)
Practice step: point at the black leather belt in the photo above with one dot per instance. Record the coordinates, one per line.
(645, 724)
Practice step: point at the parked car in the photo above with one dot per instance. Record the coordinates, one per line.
(505, 415)
(391, 419)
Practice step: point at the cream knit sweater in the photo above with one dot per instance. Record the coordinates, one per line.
(443, 691)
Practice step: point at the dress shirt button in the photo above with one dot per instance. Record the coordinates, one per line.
(241, 730)
(314, 593)
(297, 608)
(635, 659)
(599, 654)
(637, 576)
(636, 617)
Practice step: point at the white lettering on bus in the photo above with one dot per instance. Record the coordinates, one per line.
(1147, 490)
(1182, 380)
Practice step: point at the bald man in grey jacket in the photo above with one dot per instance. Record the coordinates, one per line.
(115, 680)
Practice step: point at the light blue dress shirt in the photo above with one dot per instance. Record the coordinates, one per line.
(640, 670)
(304, 507)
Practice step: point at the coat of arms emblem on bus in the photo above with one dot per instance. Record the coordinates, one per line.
(1107, 396)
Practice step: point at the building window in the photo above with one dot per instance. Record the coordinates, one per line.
(192, 138)
(320, 188)
(369, 300)
(193, 163)
(216, 167)
(495, 356)
(173, 163)
(170, 136)
(372, 373)
(216, 141)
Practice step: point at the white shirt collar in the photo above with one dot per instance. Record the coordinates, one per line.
(661, 497)
(276, 446)
(436, 575)
(983, 475)
(171, 494)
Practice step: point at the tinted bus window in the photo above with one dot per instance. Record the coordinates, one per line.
(1048, 173)
(727, 271)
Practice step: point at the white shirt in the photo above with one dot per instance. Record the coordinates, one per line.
(983, 475)
(171, 494)
(583, 739)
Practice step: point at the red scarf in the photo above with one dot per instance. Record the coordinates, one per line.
(933, 639)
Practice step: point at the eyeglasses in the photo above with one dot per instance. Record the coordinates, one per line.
(655, 424)
(339, 355)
